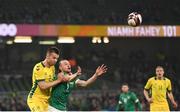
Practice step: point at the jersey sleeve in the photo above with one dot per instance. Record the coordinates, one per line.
(39, 73)
(119, 104)
(169, 88)
(134, 98)
(148, 84)
(136, 101)
(120, 100)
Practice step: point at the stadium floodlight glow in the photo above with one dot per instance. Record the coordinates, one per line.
(66, 40)
(9, 42)
(96, 40)
(47, 42)
(23, 39)
(99, 41)
(106, 40)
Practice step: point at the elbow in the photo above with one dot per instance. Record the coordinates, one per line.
(145, 91)
(84, 84)
(43, 87)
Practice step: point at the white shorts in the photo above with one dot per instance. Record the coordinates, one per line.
(52, 109)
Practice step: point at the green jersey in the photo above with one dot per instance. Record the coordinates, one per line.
(60, 93)
(128, 102)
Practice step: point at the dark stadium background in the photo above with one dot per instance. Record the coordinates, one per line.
(130, 60)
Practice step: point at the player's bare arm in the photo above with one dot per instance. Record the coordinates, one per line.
(71, 76)
(99, 71)
(78, 73)
(147, 96)
(45, 85)
(171, 97)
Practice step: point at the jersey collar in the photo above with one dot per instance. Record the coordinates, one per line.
(42, 64)
(157, 78)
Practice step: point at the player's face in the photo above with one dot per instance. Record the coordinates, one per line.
(159, 72)
(65, 66)
(125, 88)
(52, 58)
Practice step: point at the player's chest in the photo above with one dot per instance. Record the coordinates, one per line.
(48, 74)
(66, 88)
(159, 85)
(126, 98)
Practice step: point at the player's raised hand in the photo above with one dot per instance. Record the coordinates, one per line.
(101, 70)
(79, 71)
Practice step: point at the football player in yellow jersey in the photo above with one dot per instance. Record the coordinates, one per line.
(159, 87)
(42, 81)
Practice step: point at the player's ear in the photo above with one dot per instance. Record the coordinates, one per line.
(60, 68)
(47, 55)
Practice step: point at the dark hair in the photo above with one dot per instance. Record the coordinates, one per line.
(125, 84)
(53, 50)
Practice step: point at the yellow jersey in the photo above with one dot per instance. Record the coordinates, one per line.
(41, 73)
(158, 89)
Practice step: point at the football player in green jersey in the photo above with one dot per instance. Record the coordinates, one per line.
(128, 100)
(59, 94)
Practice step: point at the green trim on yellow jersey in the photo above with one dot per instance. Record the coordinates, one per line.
(35, 86)
(33, 89)
(42, 64)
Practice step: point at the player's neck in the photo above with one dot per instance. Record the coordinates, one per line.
(45, 63)
(159, 78)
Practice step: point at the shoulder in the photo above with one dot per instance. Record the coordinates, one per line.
(132, 93)
(151, 78)
(167, 79)
(38, 66)
(121, 94)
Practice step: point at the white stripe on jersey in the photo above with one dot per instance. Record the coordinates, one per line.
(120, 102)
(136, 101)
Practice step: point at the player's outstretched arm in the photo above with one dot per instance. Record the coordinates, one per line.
(68, 78)
(45, 85)
(171, 97)
(99, 71)
(78, 73)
